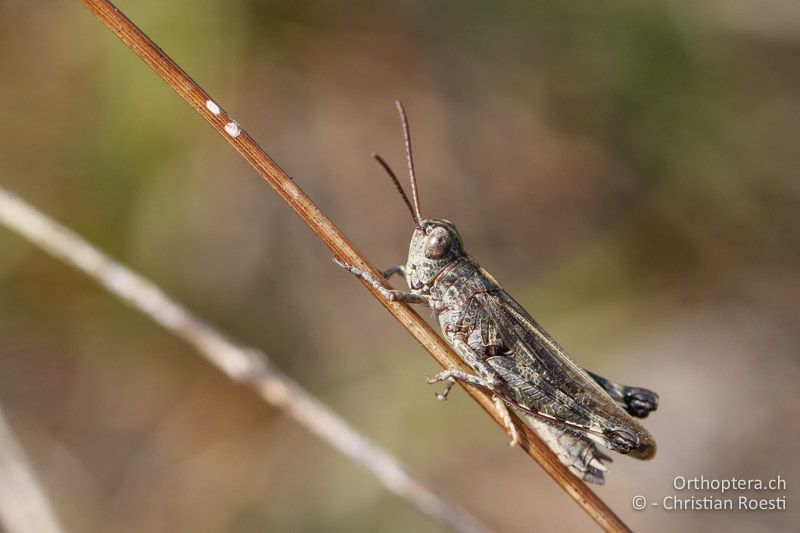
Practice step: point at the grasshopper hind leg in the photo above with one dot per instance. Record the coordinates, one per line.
(575, 451)
(638, 401)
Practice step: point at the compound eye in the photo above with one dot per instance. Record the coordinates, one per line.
(437, 243)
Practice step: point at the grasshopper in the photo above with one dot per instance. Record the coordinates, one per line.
(510, 354)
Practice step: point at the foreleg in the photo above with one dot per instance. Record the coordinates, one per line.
(391, 295)
(396, 269)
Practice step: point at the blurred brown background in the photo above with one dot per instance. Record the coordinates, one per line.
(628, 170)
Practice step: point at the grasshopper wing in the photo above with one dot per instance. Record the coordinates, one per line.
(544, 381)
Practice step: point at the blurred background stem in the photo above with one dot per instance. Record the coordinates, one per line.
(239, 363)
(24, 506)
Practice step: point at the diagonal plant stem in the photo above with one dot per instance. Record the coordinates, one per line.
(241, 141)
(240, 363)
(23, 504)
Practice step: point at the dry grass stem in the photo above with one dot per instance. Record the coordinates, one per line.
(241, 141)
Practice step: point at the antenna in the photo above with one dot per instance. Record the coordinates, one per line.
(396, 182)
(410, 157)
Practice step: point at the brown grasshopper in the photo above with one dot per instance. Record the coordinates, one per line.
(510, 355)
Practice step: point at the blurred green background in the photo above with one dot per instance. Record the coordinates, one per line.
(628, 170)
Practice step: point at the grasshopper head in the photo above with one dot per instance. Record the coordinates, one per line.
(434, 245)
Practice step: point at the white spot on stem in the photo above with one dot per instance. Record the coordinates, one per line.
(212, 106)
(233, 129)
